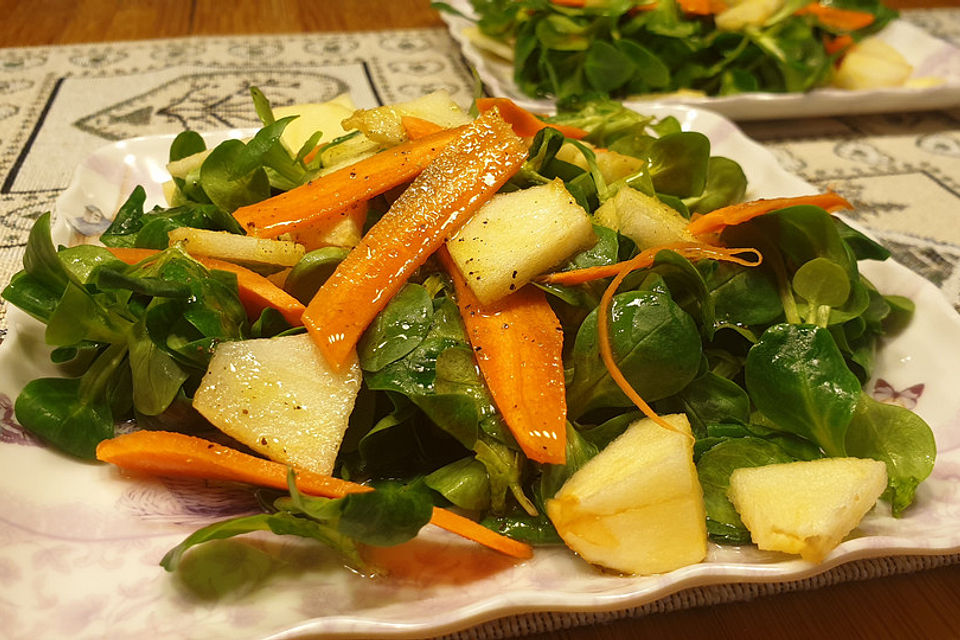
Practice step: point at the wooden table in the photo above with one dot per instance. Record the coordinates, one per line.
(918, 605)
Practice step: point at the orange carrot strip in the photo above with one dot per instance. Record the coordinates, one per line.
(834, 18)
(417, 128)
(331, 194)
(518, 342)
(524, 123)
(645, 258)
(701, 7)
(175, 454)
(736, 214)
(256, 292)
(480, 534)
(836, 45)
(468, 171)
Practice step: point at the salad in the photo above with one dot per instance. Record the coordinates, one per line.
(575, 51)
(426, 316)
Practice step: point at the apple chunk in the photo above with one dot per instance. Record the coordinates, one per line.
(637, 506)
(806, 507)
(279, 397)
(517, 236)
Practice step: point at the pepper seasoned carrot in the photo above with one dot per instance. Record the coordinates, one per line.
(175, 454)
(736, 214)
(256, 292)
(518, 343)
(524, 123)
(417, 128)
(835, 18)
(464, 176)
(320, 232)
(335, 192)
(645, 258)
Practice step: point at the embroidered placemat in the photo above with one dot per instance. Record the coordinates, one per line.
(58, 104)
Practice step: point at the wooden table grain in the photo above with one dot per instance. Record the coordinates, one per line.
(921, 605)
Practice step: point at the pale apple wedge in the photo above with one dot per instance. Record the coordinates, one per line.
(279, 397)
(807, 507)
(636, 507)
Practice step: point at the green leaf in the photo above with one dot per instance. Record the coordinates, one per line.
(388, 516)
(899, 438)
(796, 377)
(398, 329)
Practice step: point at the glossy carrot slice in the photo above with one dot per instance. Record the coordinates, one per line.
(464, 176)
(336, 192)
(417, 128)
(167, 453)
(518, 342)
(645, 258)
(256, 292)
(836, 18)
(735, 214)
(524, 123)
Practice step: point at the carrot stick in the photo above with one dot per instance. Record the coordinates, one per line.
(524, 123)
(417, 128)
(834, 18)
(335, 192)
(645, 258)
(836, 45)
(484, 156)
(256, 292)
(736, 214)
(701, 7)
(475, 531)
(167, 453)
(518, 342)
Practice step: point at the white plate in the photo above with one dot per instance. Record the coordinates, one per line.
(930, 57)
(79, 543)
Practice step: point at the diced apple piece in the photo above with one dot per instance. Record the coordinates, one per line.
(746, 14)
(279, 397)
(642, 218)
(613, 165)
(872, 64)
(806, 507)
(312, 117)
(637, 506)
(487, 44)
(260, 254)
(517, 236)
(383, 123)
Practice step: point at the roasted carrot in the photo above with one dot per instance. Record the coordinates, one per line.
(256, 292)
(735, 214)
(336, 192)
(417, 128)
(466, 174)
(835, 18)
(524, 123)
(167, 453)
(518, 342)
(836, 45)
(645, 258)
(701, 7)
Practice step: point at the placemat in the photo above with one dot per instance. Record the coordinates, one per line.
(58, 104)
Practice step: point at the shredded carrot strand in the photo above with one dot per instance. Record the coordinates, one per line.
(735, 214)
(639, 261)
(689, 250)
